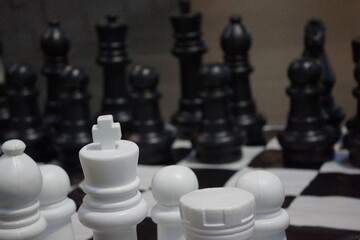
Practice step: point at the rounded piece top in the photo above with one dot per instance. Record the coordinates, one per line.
(214, 75)
(235, 39)
(217, 208)
(144, 77)
(20, 75)
(73, 78)
(20, 177)
(56, 184)
(267, 189)
(13, 147)
(304, 71)
(172, 182)
(55, 42)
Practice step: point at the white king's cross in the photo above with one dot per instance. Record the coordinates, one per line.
(106, 132)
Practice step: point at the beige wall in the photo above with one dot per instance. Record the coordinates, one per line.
(277, 28)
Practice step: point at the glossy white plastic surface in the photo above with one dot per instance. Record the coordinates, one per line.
(113, 206)
(271, 220)
(218, 213)
(168, 185)
(55, 206)
(20, 186)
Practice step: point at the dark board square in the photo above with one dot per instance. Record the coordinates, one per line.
(213, 177)
(274, 159)
(288, 201)
(317, 233)
(334, 184)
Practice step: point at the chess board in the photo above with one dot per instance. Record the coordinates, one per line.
(323, 202)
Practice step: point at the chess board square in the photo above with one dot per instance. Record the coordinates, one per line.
(213, 177)
(316, 233)
(340, 164)
(330, 212)
(334, 184)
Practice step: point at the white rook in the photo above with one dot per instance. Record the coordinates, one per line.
(113, 206)
(218, 213)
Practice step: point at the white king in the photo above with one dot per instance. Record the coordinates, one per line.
(113, 206)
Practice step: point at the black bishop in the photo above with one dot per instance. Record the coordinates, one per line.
(113, 58)
(314, 48)
(352, 138)
(75, 127)
(236, 42)
(147, 125)
(189, 49)
(219, 139)
(307, 139)
(55, 45)
(25, 119)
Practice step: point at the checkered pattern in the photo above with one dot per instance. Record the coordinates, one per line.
(323, 203)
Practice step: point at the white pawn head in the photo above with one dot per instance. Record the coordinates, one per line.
(56, 184)
(267, 189)
(172, 182)
(20, 177)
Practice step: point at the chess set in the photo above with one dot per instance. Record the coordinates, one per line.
(216, 141)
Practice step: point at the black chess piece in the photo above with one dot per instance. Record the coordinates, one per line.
(189, 49)
(75, 125)
(236, 42)
(148, 130)
(307, 139)
(352, 138)
(113, 57)
(219, 139)
(314, 48)
(55, 45)
(25, 119)
(4, 111)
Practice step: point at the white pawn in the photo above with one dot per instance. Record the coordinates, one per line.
(168, 185)
(113, 205)
(20, 186)
(271, 220)
(218, 213)
(55, 206)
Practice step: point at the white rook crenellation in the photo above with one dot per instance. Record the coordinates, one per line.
(218, 213)
(113, 206)
(20, 186)
(271, 220)
(168, 185)
(55, 206)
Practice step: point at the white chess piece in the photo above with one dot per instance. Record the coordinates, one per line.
(113, 206)
(20, 186)
(55, 206)
(218, 213)
(271, 220)
(168, 185)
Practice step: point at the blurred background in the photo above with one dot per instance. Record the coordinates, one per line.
(277, 29)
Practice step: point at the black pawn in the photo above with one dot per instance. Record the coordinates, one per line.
(113, 57)
(75, 126)
(218, 140)
(55, 45)
(25, 119)
(352, 139)
(236, 42)
(189, 49)
(307, 139)
(147, 125)
(314, 48)
(4, 111)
